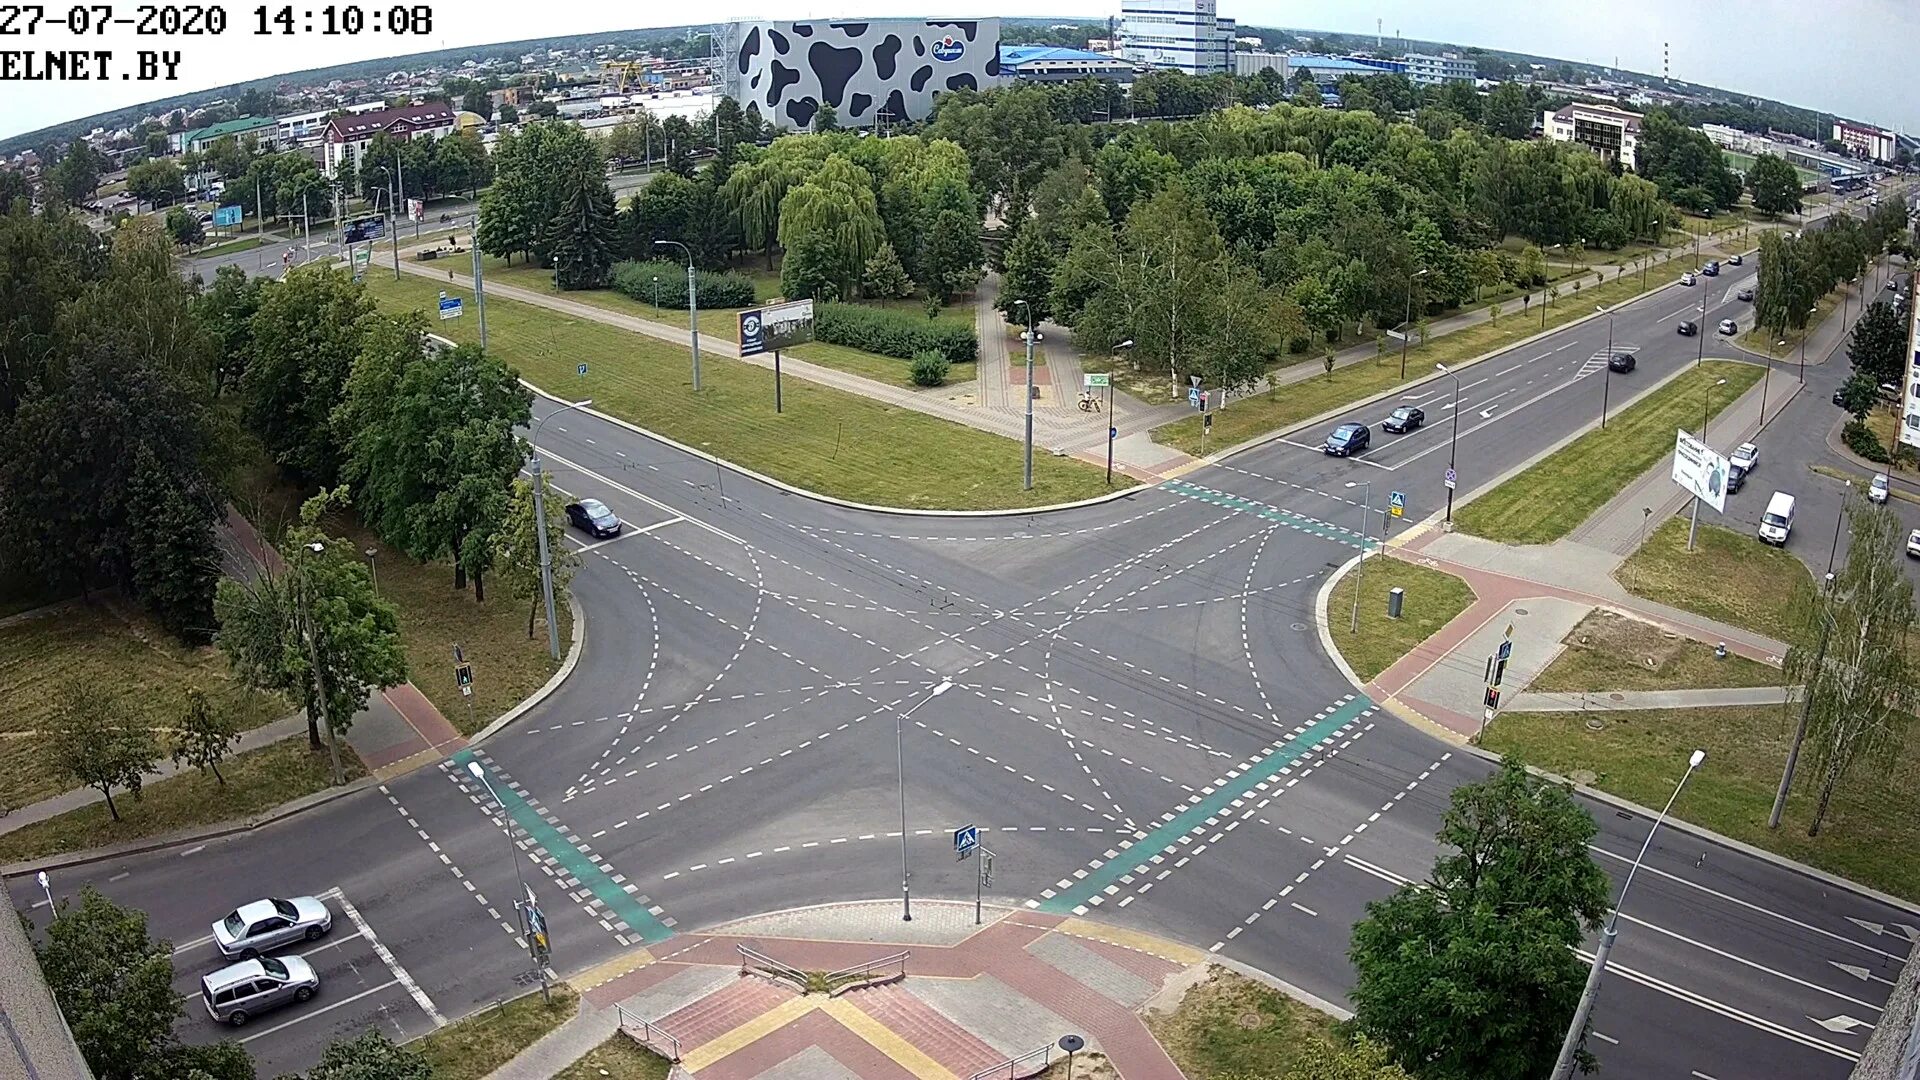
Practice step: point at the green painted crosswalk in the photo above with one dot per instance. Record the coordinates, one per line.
(1230, 501)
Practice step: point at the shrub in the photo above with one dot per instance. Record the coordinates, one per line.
(930, 368)
(891, 333)
(1861, 440)
(717, 290)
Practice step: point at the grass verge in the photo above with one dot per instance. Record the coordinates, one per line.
(1608, 651)
(115, 646)
(257, 780)
(474, 1047)
(1232, 1026)
(1762, 341)
(1730, 577)
(1282, 408)
(1433, 598)
(241, 243)
(826, 441)
(1554, 495)
(619, 1058)
(1639, 755)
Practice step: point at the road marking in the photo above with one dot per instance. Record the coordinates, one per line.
(399, 973)
(1842, 1024)
(121, 876)
(193, 850)
(194, 944)
(306, 1016)
(1860, 973)
(1747, 963)
(648, 499)
(1308, 910)
(1728, 1011)
(1611, 1041)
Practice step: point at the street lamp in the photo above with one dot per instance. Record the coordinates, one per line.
(371, 569)
(900, 756)
(1453, 443)
(1026, 471)
(693, 307)
(540, 525)
(1606, 380)
(513, 854)
(1406, 327)
(1576, 1031)
(1113, 428)
(1811, 312)
(1360, 571)
(656, 296)
(1706, 407)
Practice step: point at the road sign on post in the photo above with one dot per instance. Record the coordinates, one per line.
(1193, 396)
(1397, 503)
(1452, 478)
(463, 676)
(965, 839)
(449, 307)
(1094, 379)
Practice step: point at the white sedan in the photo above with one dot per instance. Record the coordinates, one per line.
(1913, 544)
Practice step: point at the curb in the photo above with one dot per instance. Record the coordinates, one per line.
(552, 684)
(1325, 631)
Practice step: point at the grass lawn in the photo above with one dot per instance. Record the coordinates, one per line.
(1232, 1026)
(827, 441)
(256, 780)
(1433, 599)
(619, 1058)
(474, 1047)
(1868, 835)
(1608, 651)
(241, 243)
(1762, 341)
(879, 368)
(1285, 407)
(1554, 495)
(113, 646)
(1729, 576)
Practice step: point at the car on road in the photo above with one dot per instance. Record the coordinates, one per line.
(1712, 269)
(1878, 491)
(1403, 419)
(1745, 456)
(592, 517)
(1913, 544)
(1687, 328)
(1686, 278)
(1736, 479)
(1745, 294)
(1735, 260)
(1347, 440)
(236, 994)
(264, 925)
(1621, 362)
(1840, 396)
(1729, 327)
(1777, 522)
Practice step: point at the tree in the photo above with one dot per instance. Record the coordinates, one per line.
(1859, 394)
(77, 174)
(114, 983)
(1357, 1060)
(507, 113)
(516, 547)
(542, 110)
(1850, 652)
(834, 215)
(184, 228)
(370, 1056)
(681, 140)
(950, 258)
(627, 141)
(884, 277)
(460, 162)
(227, 156)
(226, 310)
(1775, 185)
(306, 334)
(535, 169)
(276, 625)
(1877, 345)
(580, 236)
(826, 118)
(158, 182)
(99, 744)
(13, 187)
(1029, 276)
(1472, 974)
(202, 735)
(477, 100)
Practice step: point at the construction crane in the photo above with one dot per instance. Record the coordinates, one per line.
(634, 71)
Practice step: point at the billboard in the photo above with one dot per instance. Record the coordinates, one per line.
(1701, 471)
(366, 230)
(416, 209)
(225, 216)
(771, 329)
(1910, 401)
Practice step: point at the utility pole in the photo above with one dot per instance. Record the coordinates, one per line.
(540, 527)
(693, 307)
(479, 288)
(393, 216)
(1026, 474)
(304, 585)
(1360, 571)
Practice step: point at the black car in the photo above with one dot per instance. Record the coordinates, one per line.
(1735, 260)
(1403, 419)
(1687, 328)
(1347, 440)
(1736, 477)
(1840, 396)
(593, 517)
(1621, 362)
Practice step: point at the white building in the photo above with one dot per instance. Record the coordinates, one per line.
(346, 137)
(1872, 143)
(1184, 35)
(1253, 63)
(1428, 70)
(1609, 132)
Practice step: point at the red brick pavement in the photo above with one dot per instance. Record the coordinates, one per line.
(633, 982)
(954, 1047)
(1125, 1040)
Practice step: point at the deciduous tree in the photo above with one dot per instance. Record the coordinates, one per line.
(516, 547)
(1775, 185)
(158, 182)
(114, 984)
(306, 334)
(203, 735)
(369, 1056)
(100, 742)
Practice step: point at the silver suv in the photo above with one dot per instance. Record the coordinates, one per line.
(235, 994)
(264, 925)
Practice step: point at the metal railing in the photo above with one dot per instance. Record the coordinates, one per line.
(649, 1034)
(751, 959)
(1026, 1064)
(867, 974)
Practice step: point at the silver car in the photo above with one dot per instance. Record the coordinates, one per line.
(265, 925)
(233, 995)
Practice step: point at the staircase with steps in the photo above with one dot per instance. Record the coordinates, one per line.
(928, 1029)
(707, 1019)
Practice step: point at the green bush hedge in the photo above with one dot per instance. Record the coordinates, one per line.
(635, 279)
(930, 368)
(1861, 440)
(891, 333)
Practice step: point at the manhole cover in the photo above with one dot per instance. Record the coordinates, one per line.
(1584, 777)
(1595, 725)
(1299, 626)
(1616, 697)
(1519, 611)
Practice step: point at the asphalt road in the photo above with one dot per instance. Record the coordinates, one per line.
(1141, 672)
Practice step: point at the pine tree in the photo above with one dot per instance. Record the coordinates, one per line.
(885, 278)
(581, 236)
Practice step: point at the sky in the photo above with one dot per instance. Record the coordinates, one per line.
(1843, 56)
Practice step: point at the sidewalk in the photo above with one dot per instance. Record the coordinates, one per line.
(972, 998)
(1651, 699)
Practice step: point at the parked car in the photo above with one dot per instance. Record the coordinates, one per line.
(1736, 479)
(236, 994)
(1745, 456)
(264, 925)
(1729, 327)
(1913, 544)
(593, 517)
(1777, 522)
(1403, 419)
(1686, 278)
(1687, 328)
(1878, 490)
(1347, 440)
(1712, 269)
(1736, 260)
(1745, 294)
(1621, 362)
(1840, 396)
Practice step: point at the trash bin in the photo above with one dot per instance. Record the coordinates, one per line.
(1395, 597)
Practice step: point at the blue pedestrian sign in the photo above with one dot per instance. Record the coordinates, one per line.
(1113, 433)
(1193, 396)
(449, 306)
(1506, 651)
(582, 369)
(966, 838)
(1397, 503)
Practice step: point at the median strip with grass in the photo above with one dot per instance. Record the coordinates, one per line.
(1231, 1026)
(1551, 497)
(1730, 577)
(1433, 598)
(1609, 651)
(1284, 407)
(1761, 340)
(474, 1047)
(826, 441)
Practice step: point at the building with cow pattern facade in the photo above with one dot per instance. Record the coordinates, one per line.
(870, 70)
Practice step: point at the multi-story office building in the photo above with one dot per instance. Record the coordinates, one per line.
(1184, 35)
(1612, 133)
(1427, 70)
(1865, 140)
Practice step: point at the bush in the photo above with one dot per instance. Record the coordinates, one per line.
(930, 368)
(891, 333)
(635, 280)
(1861, 440)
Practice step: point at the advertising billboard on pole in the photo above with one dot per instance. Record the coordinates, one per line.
(1701, 471)
(772, 329)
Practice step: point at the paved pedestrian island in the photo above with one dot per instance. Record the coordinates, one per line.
(973, 998)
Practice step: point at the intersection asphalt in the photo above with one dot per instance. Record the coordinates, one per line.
(1142, 722)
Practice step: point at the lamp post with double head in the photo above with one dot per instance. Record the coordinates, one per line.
(693, 307)
(1026, 471)
(1406, 327)
(540, 525)
(1453, 441)
(900, 756)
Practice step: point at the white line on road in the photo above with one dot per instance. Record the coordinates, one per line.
(399, 973)
(1727, 1011)
(1698, 1075)
(193, 850)
(194, 944)
(1748, 963)
(121, 876)
(648, 499)
(1308, 910)
(1608, 1039)
(303, 1017)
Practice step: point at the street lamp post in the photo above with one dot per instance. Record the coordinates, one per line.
(1606, 379)
(1576, 1031)
(313, 656)
(1113, 428)
(1406, 326)
(1360, 571)
(1026, 470)
(513, 854)
(540, 526)
(656, 296)
(1453, 442)
(900, 756)
(372, 570)
(1803, 346)
(693, 308)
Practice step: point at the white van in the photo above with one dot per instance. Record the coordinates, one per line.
(1777, 522)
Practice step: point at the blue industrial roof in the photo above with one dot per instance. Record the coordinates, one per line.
(1016, 55)
(1327, 63)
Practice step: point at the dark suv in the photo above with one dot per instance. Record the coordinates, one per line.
(1621, 362)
